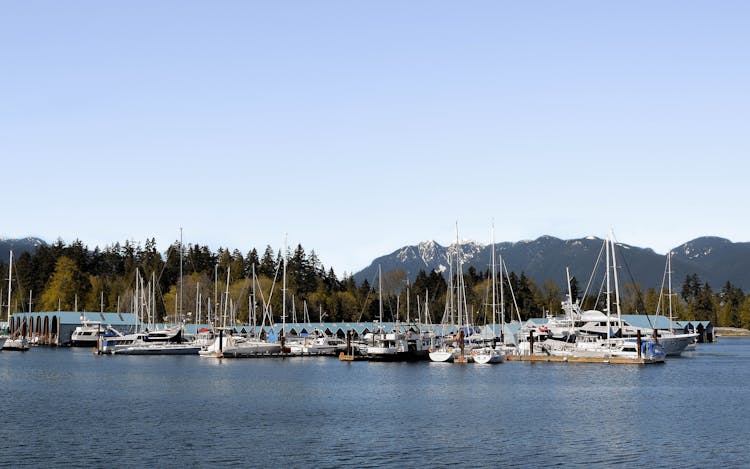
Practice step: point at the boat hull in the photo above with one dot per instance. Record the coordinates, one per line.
(158, 350)
(250, 351)
(15, 345)
(406, 356)
(442, 356)
(484, 357)
(676, 344)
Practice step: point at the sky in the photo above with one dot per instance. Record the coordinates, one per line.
(354, 128)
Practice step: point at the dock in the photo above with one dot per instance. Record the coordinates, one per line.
(555, 359)
(344, 357)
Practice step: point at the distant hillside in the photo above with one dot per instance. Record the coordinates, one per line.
(18, 246)
(715, 260)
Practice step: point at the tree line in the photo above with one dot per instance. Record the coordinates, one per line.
(72, 277)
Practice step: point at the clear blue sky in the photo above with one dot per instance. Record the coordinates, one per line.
(358, 127)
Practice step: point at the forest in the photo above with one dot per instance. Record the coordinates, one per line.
(72, 277)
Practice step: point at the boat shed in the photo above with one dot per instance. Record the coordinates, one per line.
(704, 329)
(359, 329)
(55, 327)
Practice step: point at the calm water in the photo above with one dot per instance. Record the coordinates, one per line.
(68, 407)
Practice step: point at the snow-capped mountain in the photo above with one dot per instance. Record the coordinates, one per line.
(18, 246)
(715, 260)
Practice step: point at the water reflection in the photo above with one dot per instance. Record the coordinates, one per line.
(316, 411)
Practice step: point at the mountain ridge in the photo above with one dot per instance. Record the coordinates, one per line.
(714, 259)
(18, 246)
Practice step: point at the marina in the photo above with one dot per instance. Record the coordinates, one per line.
(375, 235)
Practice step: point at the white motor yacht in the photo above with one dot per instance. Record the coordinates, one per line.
(397, 346)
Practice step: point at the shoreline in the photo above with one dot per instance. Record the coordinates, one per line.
(731, 332)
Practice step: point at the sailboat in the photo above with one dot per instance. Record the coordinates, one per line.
(444, 351)
(673, 343)
(490, 353)
(227, 345)
(454, 349)
(17, 342)
(395, 345)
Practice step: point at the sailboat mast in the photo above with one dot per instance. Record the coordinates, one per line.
(617, 284)
(255, 320)
(459, 278)
(380, 294)
(494, 279)
(502, 303)
(197, 302)
(226, 297)
(180, 316)
(669, 275)
(216, 293)
(451, 292)
(608, 284)
(283, 289)
(10, 277)
(407, 301)
(135, 301)
(570, 300)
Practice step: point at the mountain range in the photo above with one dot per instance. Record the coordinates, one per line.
(715, 261)
(18, 246)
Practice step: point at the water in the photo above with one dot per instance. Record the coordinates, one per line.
(69, 407)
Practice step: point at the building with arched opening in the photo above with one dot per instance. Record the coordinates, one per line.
(56, 327)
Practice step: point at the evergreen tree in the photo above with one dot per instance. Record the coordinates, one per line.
(730, 301)
(704, 308)
(237, 266)
(251, 260)
(267, 263)
(691, 288)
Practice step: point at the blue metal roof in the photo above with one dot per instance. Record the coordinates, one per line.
(660, 322)
(537, 321)
(76, 318)
(649, 321)
(127, 320)
(359, 328)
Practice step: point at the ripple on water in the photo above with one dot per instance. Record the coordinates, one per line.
(317, 412)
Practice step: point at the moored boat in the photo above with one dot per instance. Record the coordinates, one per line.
(17, 342)
(487, 354)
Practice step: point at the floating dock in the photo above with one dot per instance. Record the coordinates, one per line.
(555, 359)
